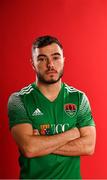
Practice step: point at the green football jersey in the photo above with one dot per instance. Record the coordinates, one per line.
(70, 109)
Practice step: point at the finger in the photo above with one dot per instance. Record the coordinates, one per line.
(36, 132)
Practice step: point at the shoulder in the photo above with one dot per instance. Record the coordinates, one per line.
(72, 89)
(16, 96)
(26, 90)
(82, 97)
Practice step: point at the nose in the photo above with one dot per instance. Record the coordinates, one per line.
(50, 64)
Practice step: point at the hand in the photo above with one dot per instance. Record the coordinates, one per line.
(36, 132)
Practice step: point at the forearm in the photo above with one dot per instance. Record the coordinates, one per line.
(76, 147)
(83, 145)
(42, 145)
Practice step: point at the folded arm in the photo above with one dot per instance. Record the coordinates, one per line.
(84, 145)
(32, 145)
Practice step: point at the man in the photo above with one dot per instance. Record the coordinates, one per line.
(50, 121)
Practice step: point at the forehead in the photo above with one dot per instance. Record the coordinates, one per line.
(49, 50)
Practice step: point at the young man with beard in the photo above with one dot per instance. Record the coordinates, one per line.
(50, 121)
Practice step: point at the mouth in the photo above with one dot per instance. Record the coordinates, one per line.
(51, 72)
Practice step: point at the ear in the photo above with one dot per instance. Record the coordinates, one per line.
(32, 63)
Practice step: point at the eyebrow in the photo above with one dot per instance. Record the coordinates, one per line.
(56, 54)
(43, 55)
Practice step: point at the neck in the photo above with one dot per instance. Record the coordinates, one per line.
(50, 91)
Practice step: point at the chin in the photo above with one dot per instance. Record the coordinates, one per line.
(49, 81)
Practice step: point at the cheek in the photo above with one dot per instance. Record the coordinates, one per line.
(60, 65)
(40, 68)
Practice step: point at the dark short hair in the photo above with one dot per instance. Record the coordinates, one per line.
(44, 41)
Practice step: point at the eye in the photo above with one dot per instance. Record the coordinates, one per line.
(41, 59)
(56, 57)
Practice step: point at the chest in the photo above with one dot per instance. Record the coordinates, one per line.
(52, 117)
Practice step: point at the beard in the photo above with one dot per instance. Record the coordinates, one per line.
(51, 81)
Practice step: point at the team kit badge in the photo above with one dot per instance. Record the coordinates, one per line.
(70, 109)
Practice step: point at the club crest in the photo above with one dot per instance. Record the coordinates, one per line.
(70, 109)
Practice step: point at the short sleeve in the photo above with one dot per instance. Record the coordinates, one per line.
(16, 111)
(84, 115)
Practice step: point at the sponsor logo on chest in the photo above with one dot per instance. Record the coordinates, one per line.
(50, 129)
